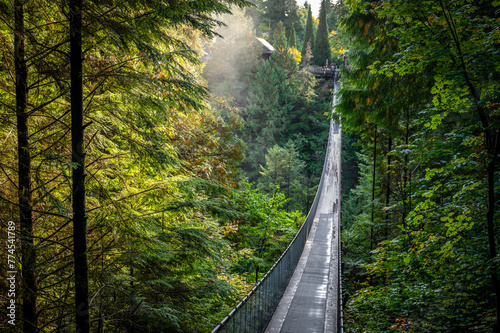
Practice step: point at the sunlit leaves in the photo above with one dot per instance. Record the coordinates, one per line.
(263, 230)
(296, 54)
(285, 169)
(151, 138)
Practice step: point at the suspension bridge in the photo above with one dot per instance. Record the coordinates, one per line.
(302, 292)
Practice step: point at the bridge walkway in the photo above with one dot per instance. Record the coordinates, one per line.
(309, 304)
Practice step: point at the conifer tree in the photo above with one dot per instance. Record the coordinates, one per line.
(270, 100)
(280, 42)
(309, 34)
(285, 168)
(276, 11)
(293, 38)
(337, 11)
(321, 48)
(129, 64)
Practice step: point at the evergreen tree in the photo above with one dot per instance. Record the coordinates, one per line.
(285, 168)
(271, 98)
(337, 11)
(82, 318)
(276, 11)
(292, 41)
(309, 34)
(280, 42)
(321, 48)
(140, 92)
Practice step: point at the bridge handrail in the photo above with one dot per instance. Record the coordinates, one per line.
(260, 303)
(340, 284)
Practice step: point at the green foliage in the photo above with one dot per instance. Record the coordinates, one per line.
(424, 271)
(159, 160)
(263, 230)
(285, 170)
(292, 38)
(275, 11)
(419, 254)
(283, 106)
(321, 48)
(309, 34)
(271, 97)
(337, 12)
(339, 40)
(280, 42)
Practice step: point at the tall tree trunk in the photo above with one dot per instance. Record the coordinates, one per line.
(492, 141)
(406, 175)
(374, 173)
(491, 235)
(308, 187)
(388, 188)
(78, 158)
(24, 161)
(288, 185)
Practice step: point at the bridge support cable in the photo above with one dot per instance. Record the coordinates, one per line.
(255, 311)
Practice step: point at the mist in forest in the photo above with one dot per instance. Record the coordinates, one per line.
(232, 57)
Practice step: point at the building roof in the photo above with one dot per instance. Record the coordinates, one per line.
(267, 48)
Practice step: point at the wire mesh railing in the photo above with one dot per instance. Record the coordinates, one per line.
(340, 290)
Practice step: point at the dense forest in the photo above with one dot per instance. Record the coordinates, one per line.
(154, 164)
(421, 226)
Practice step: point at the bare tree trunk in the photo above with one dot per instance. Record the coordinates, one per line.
(372, 241)
(24, 160)
(491, 235)
(288, 184)
(388, 188)
(406, 177)
(78, 158)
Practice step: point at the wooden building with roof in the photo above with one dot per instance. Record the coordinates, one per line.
(267, 49)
